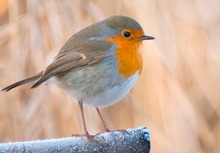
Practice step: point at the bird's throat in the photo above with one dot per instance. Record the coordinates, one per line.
(128, 55)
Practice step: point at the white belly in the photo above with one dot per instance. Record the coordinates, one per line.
(98, 85)
(112, 95)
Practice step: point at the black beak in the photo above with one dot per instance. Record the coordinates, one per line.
(145, 37)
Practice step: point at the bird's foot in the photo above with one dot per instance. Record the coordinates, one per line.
(90, 138)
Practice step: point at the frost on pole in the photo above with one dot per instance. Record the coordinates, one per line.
(129, 140)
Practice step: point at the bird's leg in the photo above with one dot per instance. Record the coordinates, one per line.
(103, 122)
(88, 136)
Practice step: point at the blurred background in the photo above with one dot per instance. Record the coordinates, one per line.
(177, 96)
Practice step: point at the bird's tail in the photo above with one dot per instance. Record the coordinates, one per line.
(19, 83)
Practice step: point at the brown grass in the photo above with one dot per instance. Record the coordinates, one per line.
(177, 96)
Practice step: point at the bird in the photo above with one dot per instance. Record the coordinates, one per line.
(97, 66)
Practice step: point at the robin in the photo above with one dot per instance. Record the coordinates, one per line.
(98, 65)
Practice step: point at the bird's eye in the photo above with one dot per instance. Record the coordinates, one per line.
(126, 34)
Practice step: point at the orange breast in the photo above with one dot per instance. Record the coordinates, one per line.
(128, 54)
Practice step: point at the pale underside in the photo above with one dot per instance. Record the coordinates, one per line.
(98, 85)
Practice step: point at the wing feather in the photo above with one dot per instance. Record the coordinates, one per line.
(68, 60)
(61, 67)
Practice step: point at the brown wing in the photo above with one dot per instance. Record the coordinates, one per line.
(81, 50)
(65, 63)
